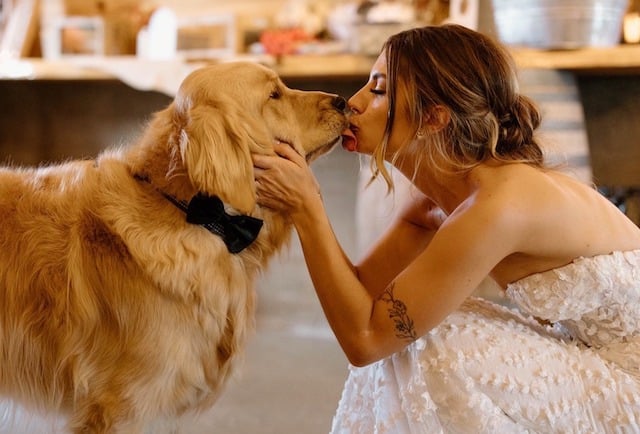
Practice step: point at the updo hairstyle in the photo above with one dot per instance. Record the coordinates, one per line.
(474, 79)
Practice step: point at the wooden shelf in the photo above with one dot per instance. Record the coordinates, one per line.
(624, 59)
(621, 59)
(616, 60)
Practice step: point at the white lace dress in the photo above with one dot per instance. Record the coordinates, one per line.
(490, 369)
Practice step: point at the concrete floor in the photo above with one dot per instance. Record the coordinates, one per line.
(292, 376)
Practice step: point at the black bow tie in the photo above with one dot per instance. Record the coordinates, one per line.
(237, 231)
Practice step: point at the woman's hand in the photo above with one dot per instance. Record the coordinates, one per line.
(285, 182)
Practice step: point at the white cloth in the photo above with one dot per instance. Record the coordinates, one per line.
(162, 76)
(491, 369)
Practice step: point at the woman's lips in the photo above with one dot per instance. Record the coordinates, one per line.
(349, 140)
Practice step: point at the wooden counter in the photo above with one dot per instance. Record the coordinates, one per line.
(624, 59)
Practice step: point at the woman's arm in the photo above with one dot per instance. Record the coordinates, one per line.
(374, 318)
(370, 327)
(407, 236)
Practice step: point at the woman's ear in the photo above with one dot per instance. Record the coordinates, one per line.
(436, 119)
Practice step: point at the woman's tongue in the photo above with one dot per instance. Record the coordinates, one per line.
(349, 140)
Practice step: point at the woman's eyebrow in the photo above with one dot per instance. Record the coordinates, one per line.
(377, 75)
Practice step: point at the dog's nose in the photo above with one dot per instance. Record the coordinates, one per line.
(339, 103)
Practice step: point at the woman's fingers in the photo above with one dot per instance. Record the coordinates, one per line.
(282, 150)
(261, 162)
(286, 151)
(285, 181)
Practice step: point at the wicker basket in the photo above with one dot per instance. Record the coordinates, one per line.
(559, 24)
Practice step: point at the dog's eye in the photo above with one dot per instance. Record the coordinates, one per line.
(275, 94)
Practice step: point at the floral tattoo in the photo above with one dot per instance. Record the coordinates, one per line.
(398, 313)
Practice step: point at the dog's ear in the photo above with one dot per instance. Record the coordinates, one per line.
(216, 152)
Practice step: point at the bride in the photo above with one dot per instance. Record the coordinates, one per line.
(442, 106)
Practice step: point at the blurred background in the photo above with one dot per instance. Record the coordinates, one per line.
(79, 76)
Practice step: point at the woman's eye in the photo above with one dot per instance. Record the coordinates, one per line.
(378, 91)
(275, 94)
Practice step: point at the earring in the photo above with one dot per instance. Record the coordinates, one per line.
(420, 134)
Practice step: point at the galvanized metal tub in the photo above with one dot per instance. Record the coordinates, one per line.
(559, 24)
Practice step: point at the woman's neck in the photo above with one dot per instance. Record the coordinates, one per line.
(448, 190)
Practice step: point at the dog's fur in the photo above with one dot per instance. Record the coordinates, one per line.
(115, 311)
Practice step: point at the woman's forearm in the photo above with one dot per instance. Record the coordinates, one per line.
(346, 302)
(287, 185)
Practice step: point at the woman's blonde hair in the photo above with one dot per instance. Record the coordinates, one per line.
(474, 79)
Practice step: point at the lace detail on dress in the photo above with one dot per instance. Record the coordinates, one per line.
(490, 369)
(596, 300)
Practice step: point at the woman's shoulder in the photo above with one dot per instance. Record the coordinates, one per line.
(558, 214)
(525, 203)
(519, 185)
(507, 188)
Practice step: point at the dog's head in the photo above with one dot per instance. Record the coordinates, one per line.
(227, 111)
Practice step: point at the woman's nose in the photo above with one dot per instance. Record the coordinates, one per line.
(352, 105)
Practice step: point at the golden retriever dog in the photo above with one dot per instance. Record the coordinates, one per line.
(115, 311)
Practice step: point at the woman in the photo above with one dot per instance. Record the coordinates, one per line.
(442, 105)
